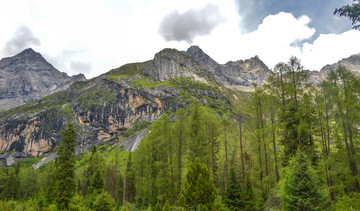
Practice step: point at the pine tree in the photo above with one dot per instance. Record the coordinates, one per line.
(65, 167)
(233, 194)
(249, 197)
(301, 190)
(96, 184)
(199, 188)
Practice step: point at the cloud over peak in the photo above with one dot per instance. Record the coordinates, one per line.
(186, 26)
(23, 38)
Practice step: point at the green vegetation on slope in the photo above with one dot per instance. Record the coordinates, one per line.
(288, 146)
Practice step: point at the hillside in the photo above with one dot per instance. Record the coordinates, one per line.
(109, 107)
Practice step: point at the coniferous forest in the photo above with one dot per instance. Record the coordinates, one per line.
(288, 145)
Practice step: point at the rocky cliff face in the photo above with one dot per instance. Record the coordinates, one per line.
(27, 76)
(232, 74)
(116, 106)
(170, 63)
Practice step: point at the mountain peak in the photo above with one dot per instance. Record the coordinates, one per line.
(27, 76)
(171, 63)
(26, 56)
(28, 50)
(29, 53)
(195, 48)
(196, 53)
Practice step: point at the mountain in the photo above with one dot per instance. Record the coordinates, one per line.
(232, 74)
(352, 63)
(27, 76)
(119, 105)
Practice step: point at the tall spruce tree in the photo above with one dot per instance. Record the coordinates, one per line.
(233, 195)
(249, 196)
(96, 184)
(199, 188)
(65, 167)
(301, 190)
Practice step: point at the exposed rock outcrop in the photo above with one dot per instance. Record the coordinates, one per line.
(232, 74)
(170, 63)
(27, 76)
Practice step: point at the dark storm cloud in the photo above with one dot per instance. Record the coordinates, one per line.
(23, 38)
(80, 67)
(320, 12)
(190, 24)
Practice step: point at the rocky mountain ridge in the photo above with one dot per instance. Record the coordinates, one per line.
(120, 105)
(116, 106)
(232, 74)
(27, 76)
(351, 63)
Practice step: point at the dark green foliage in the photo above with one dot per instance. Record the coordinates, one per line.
(51, 188)
(233, 195)
(199, 190)
(249, 196)
(103, 202)
(301, 190)
(96, 184)
(65, 167)
(352, 12)
(130, 190)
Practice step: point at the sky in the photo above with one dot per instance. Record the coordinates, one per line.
(95, 36)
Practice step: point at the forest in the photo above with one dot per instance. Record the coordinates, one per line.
(289, 145)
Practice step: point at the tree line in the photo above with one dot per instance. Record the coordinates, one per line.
(288, 145)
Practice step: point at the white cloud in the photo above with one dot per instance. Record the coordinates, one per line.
(330, 48)
(279, 37)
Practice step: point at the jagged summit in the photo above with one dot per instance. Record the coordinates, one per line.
(232, 74)
(27, 76)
